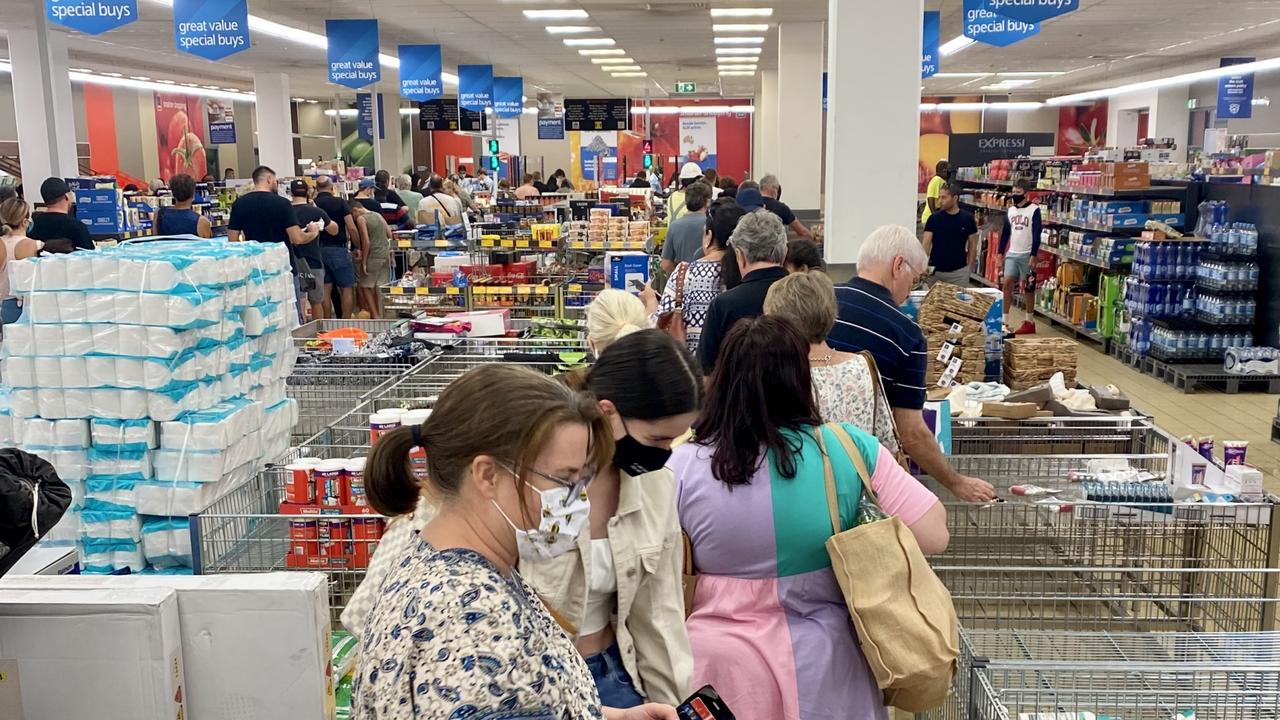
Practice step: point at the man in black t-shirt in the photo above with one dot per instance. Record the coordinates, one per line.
(951, 239)
(309, 216)
(394, 211)
(263, 215)
(338, 211)
(56, 222)
(771, 189)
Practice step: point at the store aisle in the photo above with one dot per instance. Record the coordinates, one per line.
(1246, 416)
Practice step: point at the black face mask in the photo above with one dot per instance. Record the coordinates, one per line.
(1020, 200)
(635, 458)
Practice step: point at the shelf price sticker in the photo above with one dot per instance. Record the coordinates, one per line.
(522, 244)
(451, 290)
(422, 291)
(405, 243)
(397, 290)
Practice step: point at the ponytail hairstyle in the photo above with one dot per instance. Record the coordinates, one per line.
(14, 215)
(504, 411)
(647, 375)
(613, 315)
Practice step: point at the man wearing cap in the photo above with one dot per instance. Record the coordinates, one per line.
(676, 204)
(309, 257)
(753, 196)
(56, 222)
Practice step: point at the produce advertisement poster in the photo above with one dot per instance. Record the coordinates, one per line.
(698, 139)
(936, 128)
(211, 29)
(1031, 11)
(1235, 92)
(475, 87)
(222, 125)
(421, 72)
(92, 17)
(932, 38)
(353, 52)
(593, 146)
(1082, 128)
(180, 136)
(987, 27)
(508, 96)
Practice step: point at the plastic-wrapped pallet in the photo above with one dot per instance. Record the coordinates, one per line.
(152, 376)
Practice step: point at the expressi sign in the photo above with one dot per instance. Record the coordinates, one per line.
(973, 149)
(987, 27)
(1235, 92)
(475, 87)
(508, 96)
(93, 17)
(1032, 11)
(353, 52)
(211, 29)
(421, 72)
(932, 38)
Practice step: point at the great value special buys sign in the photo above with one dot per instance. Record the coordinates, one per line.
(987, 27)
(421, 72)
(1031, 11)
(353, 52)
(1235, 92)
(508, 96)
(93, 17)
(211, 29)
(475, 87)
(973, 149)
(929, 56)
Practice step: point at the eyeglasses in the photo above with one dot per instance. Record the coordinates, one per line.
(575, 488)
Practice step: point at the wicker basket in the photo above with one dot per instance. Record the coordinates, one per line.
(1032, 361)
(952, 300)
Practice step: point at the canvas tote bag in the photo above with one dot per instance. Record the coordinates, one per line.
(904, 616)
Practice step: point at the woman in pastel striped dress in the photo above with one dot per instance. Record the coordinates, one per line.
(769, 628)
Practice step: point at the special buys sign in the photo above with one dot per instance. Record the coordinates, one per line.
(928, 57)
(475, 87)
(353, 52)
(421, 71)
(211, 29)
(1031, 11)
(93, 17)
(987, 27)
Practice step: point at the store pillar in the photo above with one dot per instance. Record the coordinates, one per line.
(765, 135)
(46, 119)
(388, 146)
(873, 121)
(275, 124)
(799, 114)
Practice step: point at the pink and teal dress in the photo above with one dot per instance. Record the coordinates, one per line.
(770, 629)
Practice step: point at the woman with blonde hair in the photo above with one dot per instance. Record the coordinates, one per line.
(14, 215)
(613, 315)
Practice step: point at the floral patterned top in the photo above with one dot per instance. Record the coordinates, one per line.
(701, 285)
(847, 393)
(450, 637)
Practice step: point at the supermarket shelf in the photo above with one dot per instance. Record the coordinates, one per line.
(608, 247)
(1067, 254)
(134, 234)
(1072, 327)
(1111, 192)
(975, 277)
(1091, 226)
(991, 208)
(988, 183)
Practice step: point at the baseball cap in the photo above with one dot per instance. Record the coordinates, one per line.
(690, 171)
(750, 199)
(53, 189)
(367, 184)
(299, 188)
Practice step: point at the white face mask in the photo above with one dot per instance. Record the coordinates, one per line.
(563, 519)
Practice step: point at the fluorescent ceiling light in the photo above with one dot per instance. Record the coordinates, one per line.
(80, 70)
(344, 112)
(1183, 79)
(741, 12)
(556, 14)
(139, 77)
(739, 41)
(958, 75)
(299, 99)
(621, 68)
(751, 60)
(692, 109)
(1008, 84)
(571, 29)
(167, 82)
(957, 107)
(1031, 74)
(612, 61)
(954, 45)
(739, 51)
(749, 65)
(614, 51)
(737, 73)
(589, 42)
(117, 75)
(631, 74)
(313, 102)
(732, 27)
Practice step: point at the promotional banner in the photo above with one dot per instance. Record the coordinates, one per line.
(180, 136)
(475, 87)
(1235, 92)
(211, 29)
(221, 118)
(364, 116)
(353, 52)
(698, 140)
(92, 17)
(1082, 128)
(508, 96)
(1032, 11)
(421, 71)
(593, 147)
(932, 38)
(987, 27)
(936, 127)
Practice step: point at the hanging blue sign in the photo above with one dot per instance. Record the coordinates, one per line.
(421, 71)
(824, 92)
(93, 17)
(353, 52)
(475, 87)
(1032, 11)
(211, 29)
(364, 116)
(550, 128)
(1235, 92)
(222, 133)
(987, 27)
(932, 39)
(508, 96)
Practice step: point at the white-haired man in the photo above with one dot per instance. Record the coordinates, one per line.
(890, 263)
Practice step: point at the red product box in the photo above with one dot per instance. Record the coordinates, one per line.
(441, 279)
(335, 542)
(304, 536)
(523, 270)
(365, 534)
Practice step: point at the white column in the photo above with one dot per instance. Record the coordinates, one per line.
(873, 121)
(799, 114)
(275, 125)
(764, 157)
(46, 117)
(388, 147)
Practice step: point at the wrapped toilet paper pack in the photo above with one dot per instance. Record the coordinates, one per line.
(214, 429)
(180, 499)
(69, 463)
(123, 434)
(118, 490)
(120, 462)
(269, 393)
(204, 466)
(131, 373)
(177, 310)
(67, 531)
(26, 339)
(58, 434)
(279, 419)
(102, 556)
(103, 521)
(166, 542)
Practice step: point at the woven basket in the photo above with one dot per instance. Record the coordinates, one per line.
(957, 301)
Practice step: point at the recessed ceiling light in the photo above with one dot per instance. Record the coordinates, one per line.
(571, 29)
(737, 73)
(139, 77)
(621, 68)
(299, 99)
(630, 74)
(955, 45)
(958, 75)
(556, 14)
(1031, 74)
(738, 27)
(589, 42)
(592, 53)
(739, 41)
(612, 61)
(739, 51)
(741, 12)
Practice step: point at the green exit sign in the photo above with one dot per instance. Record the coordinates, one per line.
(686, 88)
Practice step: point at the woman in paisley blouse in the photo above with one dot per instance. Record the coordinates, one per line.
(454, 631)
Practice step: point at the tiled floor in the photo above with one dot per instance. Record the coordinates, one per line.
(1246, 416)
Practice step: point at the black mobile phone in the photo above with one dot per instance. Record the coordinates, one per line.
(639, 286)
(706, 704)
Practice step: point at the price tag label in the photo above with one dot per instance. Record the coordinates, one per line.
(397, 290)
(422, 291)
(542, 290)
(451, 290)
(487, 242)
(575, 288)
(404, 243)
(522, 244)
(524, 289)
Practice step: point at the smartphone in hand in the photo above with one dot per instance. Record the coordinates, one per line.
(706, 704)
(639, 286)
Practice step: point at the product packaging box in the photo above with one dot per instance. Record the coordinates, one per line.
(1171, 220)
(1129, 220)
(625, 268)
(97, 198)
(254, 647)
(105, 654)
(486, 323)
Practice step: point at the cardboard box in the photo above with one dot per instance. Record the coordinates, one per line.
(105, 654)
(485, 323)
(1010, 411)
(621, 268)
(254, 647)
